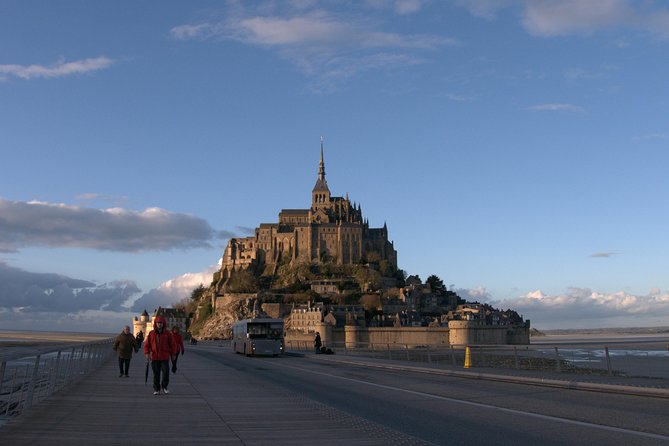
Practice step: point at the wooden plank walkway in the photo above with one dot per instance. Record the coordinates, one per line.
(208, 404)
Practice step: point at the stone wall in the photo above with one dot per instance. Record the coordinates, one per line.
(457, 333)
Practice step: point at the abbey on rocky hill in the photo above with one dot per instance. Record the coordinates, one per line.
(331, 230)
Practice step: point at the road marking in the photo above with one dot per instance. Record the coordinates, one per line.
(489, 406)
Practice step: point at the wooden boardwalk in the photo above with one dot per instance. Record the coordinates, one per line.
(208, 404)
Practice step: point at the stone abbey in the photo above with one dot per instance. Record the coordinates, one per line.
(331, 230)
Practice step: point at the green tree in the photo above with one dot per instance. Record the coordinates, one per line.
(197, 293)
(436, 284)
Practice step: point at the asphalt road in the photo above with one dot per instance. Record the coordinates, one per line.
(456, 411)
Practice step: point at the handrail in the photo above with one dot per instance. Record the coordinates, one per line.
(29, 375)
(620, 361)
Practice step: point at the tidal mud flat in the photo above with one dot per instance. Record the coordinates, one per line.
(14, 340)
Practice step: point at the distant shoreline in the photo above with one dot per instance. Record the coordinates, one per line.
(27, 338)
(607, 331)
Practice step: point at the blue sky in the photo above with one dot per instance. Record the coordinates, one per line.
(516, 149)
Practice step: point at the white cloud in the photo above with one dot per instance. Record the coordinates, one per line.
(486, 9)
(479, 294)
(552, 18)
(548, 18)
(326, 46)
(26, 224)
(604, 254)
(651, 136)
(199, 31)
(59, 69)
(400, 7)
(556, 107)
(174, 290)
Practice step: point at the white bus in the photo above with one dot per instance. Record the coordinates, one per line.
(258, 337)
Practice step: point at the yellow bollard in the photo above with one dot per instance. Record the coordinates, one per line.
(468, 358)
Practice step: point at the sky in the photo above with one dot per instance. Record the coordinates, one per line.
(517, 149)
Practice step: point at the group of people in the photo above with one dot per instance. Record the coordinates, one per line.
(161, 346)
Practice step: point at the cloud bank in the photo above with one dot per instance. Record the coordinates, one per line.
(46, 301)
(582, 307)
(27, 224)
(29, 292)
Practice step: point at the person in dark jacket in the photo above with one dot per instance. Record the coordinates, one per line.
(179, 342)
(317, 342)
(124, 345)
(159, 348)
(139, 338)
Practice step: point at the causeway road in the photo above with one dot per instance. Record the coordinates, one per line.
(218, 397)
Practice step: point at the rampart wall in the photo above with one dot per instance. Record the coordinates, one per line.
(457, 333)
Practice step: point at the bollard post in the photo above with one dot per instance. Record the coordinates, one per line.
(468, 357)
(406, 348)
(609, 370)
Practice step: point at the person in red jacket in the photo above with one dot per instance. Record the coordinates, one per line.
(179, 342)
(159, 347)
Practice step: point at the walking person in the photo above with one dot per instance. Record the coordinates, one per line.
(139, 338)
(317, 342)
(159, 348)
(179, 343)
(123, 346)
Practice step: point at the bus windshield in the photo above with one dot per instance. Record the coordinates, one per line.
(264, 330)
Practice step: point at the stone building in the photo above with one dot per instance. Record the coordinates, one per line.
(306, 319)
(333, 229)
(173, 317)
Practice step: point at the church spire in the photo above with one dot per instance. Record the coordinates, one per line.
(321, 165)
(320, 195)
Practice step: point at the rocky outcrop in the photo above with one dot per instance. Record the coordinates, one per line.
(219, 324)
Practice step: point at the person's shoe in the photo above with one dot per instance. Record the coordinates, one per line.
(174, 369)
(127, 376)
(121, 375)
(156, 393)
(166, 391)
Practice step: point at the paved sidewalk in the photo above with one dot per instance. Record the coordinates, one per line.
(208, 404)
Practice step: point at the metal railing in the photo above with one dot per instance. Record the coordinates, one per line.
(595, 360)
(27, 378)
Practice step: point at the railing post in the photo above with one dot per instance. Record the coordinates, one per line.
(515, 357)
(609, 370)
(557, 360)
(54, 374)
(70, 368)
(3, 367)
(31, 384)
(406, 348)
(390, 356)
